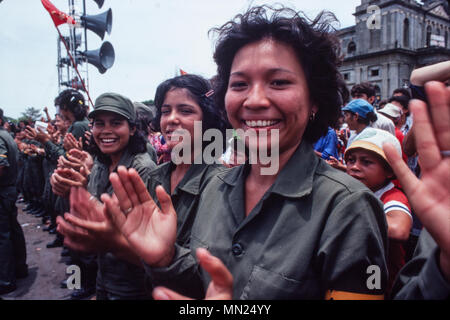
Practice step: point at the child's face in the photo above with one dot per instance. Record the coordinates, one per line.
(368, 168)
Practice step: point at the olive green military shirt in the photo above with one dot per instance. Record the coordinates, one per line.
(116, 276)
(316, 229)
(79, 128)
(9, 156)
(186, 194)
(421, 278)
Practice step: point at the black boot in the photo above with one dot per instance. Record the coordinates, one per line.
(4, 289)
(58, 242)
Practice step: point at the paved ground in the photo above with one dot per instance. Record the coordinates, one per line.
(46, 266)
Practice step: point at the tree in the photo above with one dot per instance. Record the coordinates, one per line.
(31, 113)
(149, 102)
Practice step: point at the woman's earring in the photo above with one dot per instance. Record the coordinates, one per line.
(312, 117)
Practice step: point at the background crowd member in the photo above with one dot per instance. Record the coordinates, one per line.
(12, 242)
(327, 146)
(144, 116)
(277, 233)
(366, 91)
(395, 113)
(405, 122)
(70, 104)
(358, 114)
(435, 72)
(402, 92)
(367, 163)
(427, 275)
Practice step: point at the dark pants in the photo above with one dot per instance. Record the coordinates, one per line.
(13, 254)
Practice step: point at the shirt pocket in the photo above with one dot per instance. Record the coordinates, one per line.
(264, 284)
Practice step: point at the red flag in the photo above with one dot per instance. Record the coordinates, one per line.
(57, 16)
(182, 72)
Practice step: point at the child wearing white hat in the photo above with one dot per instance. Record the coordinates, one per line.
(367, 162)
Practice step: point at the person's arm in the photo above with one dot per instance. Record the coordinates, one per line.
(430, 196)
(436, 72)
(49, 119)
(409, 143)
(352, 248)
(3, 157)
(399, 225)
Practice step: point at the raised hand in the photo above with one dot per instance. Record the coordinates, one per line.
(220, 287)
(70, 142)
(63, 179)
(150, 231)
(430, 196)
(86, 228)
(36, 134)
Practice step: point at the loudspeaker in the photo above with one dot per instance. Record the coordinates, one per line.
(102, 58)
(99, 23)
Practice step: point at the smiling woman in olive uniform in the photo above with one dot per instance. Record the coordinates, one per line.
(306, 232)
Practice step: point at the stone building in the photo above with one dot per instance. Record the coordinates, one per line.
(390, 38)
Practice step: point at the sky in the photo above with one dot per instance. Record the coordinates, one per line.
(152, 40)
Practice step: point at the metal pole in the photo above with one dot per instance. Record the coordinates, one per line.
(86, 48)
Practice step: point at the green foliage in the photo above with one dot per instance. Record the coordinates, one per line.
(31, 113)
(149, 102)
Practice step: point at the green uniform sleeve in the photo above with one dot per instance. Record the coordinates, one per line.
(3, 154)
(182, 275)
(53, 151)
(352, 247)
(421, 278)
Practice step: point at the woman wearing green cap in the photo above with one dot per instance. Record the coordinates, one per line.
(115, 141)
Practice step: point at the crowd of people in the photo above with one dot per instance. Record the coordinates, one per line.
(360, 183)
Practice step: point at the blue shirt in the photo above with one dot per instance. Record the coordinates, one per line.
(327, 145)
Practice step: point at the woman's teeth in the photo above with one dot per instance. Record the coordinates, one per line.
(260, 123)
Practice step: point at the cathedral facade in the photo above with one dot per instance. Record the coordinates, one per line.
(391, 38)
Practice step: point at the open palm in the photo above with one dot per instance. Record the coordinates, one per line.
(430, 196)
(150, 231)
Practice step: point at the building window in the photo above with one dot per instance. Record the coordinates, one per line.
(374, 72)
(346, 76)
(351, 48)
(428, 36)
(406, 33)
(375, 39)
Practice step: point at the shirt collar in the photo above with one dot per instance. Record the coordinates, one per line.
(381, 191)
(191, 181)
(294, 180)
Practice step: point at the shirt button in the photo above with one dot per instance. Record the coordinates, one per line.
(237, 249)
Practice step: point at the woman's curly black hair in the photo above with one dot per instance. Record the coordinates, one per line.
(199, 89)
(315, 43)
(72, 101)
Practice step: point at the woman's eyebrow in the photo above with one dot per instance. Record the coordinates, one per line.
(270, 71)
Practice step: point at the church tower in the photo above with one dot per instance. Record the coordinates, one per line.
(390, 38)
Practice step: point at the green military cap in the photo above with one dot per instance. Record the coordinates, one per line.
(114, 102)
(141, 108)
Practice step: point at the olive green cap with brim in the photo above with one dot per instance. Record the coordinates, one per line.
(114, 102)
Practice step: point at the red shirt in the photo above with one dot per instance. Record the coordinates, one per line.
(394, 199)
